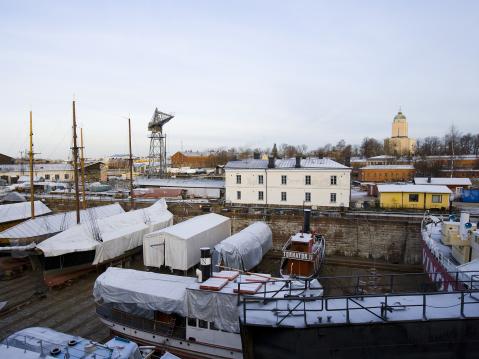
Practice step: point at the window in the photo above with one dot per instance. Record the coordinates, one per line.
(202, 324)
(284, 179)
(191, 322)
(67, 176)
(307, 180)
(213, 326)
(47, 177)
(57, 177)
(260, 179)
(238, 179)
(413, 197)
(307, 197)
(332, 197)
(283, 196)
(436, 198)
(238, 194)
(260, 195)
(334, 180)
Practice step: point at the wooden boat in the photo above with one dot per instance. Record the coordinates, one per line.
(303, 253)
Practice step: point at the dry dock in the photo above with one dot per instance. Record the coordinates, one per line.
(68, 309)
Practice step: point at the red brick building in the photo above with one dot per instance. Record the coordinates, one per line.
(386, 173)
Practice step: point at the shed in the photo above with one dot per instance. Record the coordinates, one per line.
(178, 246)
(245, 249)
(413, 196)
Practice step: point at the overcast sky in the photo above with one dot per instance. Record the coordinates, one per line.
(244, 73)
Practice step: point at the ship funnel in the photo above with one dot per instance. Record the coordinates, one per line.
(205, 263)
(306, 221)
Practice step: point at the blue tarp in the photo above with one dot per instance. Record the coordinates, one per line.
(470, 195)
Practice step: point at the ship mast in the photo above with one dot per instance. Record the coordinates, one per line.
(32, 190)
(82, 164)
(75, 164)
(132, 201)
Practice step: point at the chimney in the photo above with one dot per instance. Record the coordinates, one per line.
(205, 263)
(347, 161)
(256, 155)
(429, 179)
(298, 161)
(270, 162)
(306, 221)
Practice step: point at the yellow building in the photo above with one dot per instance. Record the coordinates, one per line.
(413, 196)
(399, 143)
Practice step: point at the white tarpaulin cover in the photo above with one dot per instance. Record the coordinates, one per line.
(178, 246)
(151, 291)
(21, 210)
(245, 249)
(54, 223)
(117, 234)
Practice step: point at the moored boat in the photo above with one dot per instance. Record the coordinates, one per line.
(303, 253)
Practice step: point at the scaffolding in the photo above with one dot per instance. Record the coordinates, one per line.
(157, 155)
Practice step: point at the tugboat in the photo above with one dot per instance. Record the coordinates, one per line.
(303, 253)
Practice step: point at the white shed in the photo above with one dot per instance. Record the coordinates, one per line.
(245, 249)
(178, 246)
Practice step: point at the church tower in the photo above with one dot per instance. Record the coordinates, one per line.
(399, 144)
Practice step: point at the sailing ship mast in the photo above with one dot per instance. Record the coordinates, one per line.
(132, 201)
(82, 164)
(75, 164)
(32, 190)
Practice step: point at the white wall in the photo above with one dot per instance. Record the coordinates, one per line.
(295, 188)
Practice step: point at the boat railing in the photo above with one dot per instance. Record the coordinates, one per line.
(170, 328)
(393, 283)
(380, 307)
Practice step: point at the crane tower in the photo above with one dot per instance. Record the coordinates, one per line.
(157, 156)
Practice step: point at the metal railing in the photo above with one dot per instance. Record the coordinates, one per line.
(299, 297)
(170, 329)
(388, 304)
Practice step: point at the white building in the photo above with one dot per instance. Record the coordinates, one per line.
(46, 171)
(318, 182)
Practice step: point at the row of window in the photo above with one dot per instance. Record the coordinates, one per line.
(284, 180)
(307, 196)
(57, 177)
(436, 198)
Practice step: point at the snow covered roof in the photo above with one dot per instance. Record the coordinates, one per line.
(180, 182)
(58, 222)
(22, 210)
(37, 167)
(381, 157)
(36, 341)
(193, 226)
(412, 188)
(446, 181)
(311, 162)
(388, 167)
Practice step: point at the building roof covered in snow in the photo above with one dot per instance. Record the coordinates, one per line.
(288, 163)
(412, 188)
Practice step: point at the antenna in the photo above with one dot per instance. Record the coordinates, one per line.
(75, 163)
(82, 164)
(157, 155)
(132, 201)
(30, 153)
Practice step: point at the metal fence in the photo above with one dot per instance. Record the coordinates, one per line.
(389, 303)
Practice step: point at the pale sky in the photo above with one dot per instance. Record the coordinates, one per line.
(243, 73)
